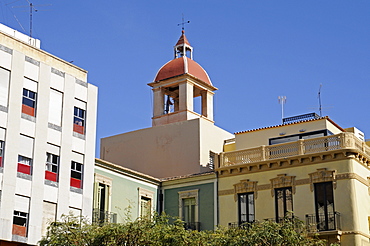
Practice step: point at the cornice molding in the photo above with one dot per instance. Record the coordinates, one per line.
(291, 181)
(288, 162)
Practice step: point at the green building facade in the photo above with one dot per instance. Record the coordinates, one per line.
(121, 194)
(192, 199)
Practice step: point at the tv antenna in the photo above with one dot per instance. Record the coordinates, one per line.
(319, 97)
(183, 23)
(32, 9)
(282, 101)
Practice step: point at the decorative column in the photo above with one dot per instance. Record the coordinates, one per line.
(186, 92)
(158, 101)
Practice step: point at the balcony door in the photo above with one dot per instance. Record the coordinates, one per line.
(283, 202)
(246, 208)
(324, 203)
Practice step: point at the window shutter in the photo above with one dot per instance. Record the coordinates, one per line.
(21, 204)
(55, 107)
(2, 134)
(26, 146)
(30, 85)
(4, 86)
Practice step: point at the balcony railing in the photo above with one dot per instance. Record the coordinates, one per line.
(323, 222)
(240, 225)
(100, 216)
(345, 140)
(192, 226)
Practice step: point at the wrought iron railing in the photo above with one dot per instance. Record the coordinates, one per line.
(345, 140)
(241, 224)
(192, 226)
(289, 218)
(100, 216)
(323, 222)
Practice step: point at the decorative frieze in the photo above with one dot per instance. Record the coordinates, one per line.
(188, 194)
(282, 180)
(6, 49)
(323, 175)
(245, 186)
(80, 82)
(33, 61)
(57, 72)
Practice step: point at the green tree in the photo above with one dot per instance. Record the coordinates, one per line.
(158, 231)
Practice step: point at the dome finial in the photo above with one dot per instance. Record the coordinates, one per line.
(183, 24)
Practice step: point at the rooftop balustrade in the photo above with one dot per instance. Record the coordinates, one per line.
(342, 141)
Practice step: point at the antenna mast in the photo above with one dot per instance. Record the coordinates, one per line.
(32, 9)
(319, 97)
(282, 101)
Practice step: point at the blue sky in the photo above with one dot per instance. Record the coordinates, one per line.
(253, 51)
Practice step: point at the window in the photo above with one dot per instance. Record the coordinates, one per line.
(145, 207)
(188, 208)
(20, 223)
(283, 202)
(324, 204)
(29, 102)
(102, 196)
(1, 152)
(55, 107)
(246, 208)
(76, 174)
(294, 138)
(51, 167)
(4, 86)
(79, 120)
(24, 165)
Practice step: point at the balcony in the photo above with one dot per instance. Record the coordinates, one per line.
(342, 141)
(192, 226)
(323, 222)
(101, 217)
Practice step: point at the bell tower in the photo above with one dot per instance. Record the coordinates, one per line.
(176, 85)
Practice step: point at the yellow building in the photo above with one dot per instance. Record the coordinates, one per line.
(308, 167)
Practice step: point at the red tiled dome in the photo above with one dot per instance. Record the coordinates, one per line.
(180, 66)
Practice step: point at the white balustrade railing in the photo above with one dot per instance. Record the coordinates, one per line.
(344, 140)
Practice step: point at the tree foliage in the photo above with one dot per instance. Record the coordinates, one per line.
(158, 231)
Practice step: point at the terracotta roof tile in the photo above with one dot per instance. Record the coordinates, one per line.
(182, 39)
(293, 123)
(180, 66)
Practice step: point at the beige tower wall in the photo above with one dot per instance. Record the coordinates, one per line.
(169, 150)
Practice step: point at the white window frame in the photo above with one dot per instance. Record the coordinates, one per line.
(79, 118)
(146, 194)
(25, 160)
(21, 215)
(101, 179)
(189, 194)
(50, 164)
(74, 169)
(29, 98)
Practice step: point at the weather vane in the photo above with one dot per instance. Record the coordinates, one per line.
(183, 23)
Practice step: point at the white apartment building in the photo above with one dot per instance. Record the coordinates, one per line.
(47, 139)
